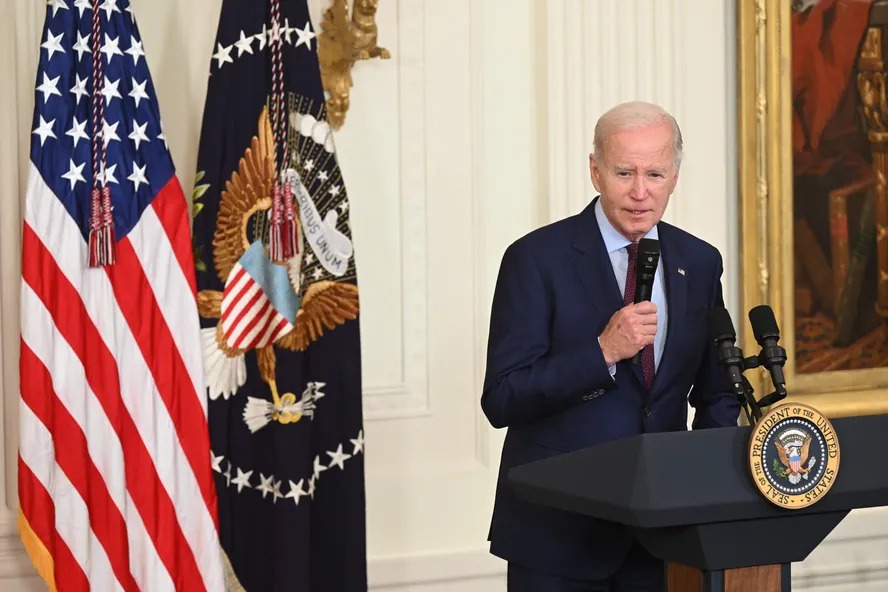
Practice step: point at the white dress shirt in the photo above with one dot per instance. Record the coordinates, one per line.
(617, 249)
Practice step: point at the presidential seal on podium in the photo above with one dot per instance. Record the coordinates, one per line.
(793, 455)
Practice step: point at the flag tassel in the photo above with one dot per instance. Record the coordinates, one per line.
(282, 236)
(101, 232)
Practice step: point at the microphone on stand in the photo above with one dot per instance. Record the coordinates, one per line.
(772, 356)
(645, 268)
(721, 329)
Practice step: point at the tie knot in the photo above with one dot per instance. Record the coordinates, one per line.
(633, 250)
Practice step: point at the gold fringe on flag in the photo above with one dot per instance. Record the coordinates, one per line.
(37, 551)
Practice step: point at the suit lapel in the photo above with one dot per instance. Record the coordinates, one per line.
(674, 266)
(593, 264)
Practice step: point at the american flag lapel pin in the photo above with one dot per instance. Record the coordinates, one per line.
(681, 270)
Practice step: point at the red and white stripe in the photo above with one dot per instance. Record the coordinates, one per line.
(116, 479)
(248, 318)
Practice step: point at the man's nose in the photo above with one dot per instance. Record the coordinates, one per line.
(639, 189)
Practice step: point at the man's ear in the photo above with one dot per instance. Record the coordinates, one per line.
(595, 173)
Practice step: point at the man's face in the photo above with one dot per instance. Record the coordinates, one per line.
(636, 177)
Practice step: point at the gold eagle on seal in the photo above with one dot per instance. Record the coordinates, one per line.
(793, 455)
(263, 304)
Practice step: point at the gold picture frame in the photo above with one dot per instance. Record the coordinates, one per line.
(767, 230)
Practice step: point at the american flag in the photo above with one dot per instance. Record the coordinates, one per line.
(115, 482)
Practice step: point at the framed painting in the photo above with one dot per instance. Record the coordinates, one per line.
(813, 158)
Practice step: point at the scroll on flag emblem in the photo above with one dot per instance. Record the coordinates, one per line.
(115, 480)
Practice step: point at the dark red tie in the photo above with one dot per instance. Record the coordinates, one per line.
(647, 353)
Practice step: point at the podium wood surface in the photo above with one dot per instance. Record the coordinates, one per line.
(763, 578)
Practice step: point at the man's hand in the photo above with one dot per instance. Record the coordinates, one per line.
(629, 330)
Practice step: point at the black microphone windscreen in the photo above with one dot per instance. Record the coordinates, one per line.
(720, 324)
(763, 323)
(649, 246)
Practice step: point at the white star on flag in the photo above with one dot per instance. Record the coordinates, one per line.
(138, 134)
(262, 37)
(74, 173)
(305, 36)
(109, 131)
(77, 131)
(82, 6)
(110, 48)
(242, 480)
(358, 443)
(297, 491)
(82, 46)
(223, 55)
(138, 176)
(135, 49)
(44, 130)
(138, 93)
(53, 44)
(49, 87)
(109, 6)
(109, 90)
(338, 458)
(107, 175)
(244, 45)
(318, 467)
(56, 5)
(266, 485)
(287, 31)
(79, 88)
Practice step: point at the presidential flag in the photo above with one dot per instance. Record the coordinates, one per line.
(278, 300)
(115, 479)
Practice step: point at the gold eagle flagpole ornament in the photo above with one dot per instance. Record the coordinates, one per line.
(345, 39)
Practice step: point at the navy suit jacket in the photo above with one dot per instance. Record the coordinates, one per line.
(547, 380)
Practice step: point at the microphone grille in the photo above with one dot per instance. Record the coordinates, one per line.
(649, 246)
(720, 324)
(763, 322)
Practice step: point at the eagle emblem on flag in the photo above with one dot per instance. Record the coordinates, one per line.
(265, 303)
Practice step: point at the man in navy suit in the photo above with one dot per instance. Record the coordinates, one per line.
(563, 332)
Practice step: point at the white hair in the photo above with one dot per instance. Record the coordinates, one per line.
(635, 114)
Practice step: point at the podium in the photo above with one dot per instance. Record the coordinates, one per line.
(690, 499)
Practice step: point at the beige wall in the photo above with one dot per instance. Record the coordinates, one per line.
(477, 131)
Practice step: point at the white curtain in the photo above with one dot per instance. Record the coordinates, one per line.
(20, 31)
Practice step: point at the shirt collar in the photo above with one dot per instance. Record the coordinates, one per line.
(613, 240)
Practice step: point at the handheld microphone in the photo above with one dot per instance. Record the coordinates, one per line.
(721, 329)
(645, 268)
(772, 356)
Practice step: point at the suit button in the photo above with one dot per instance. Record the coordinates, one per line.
(647, 411)
(593, 395)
